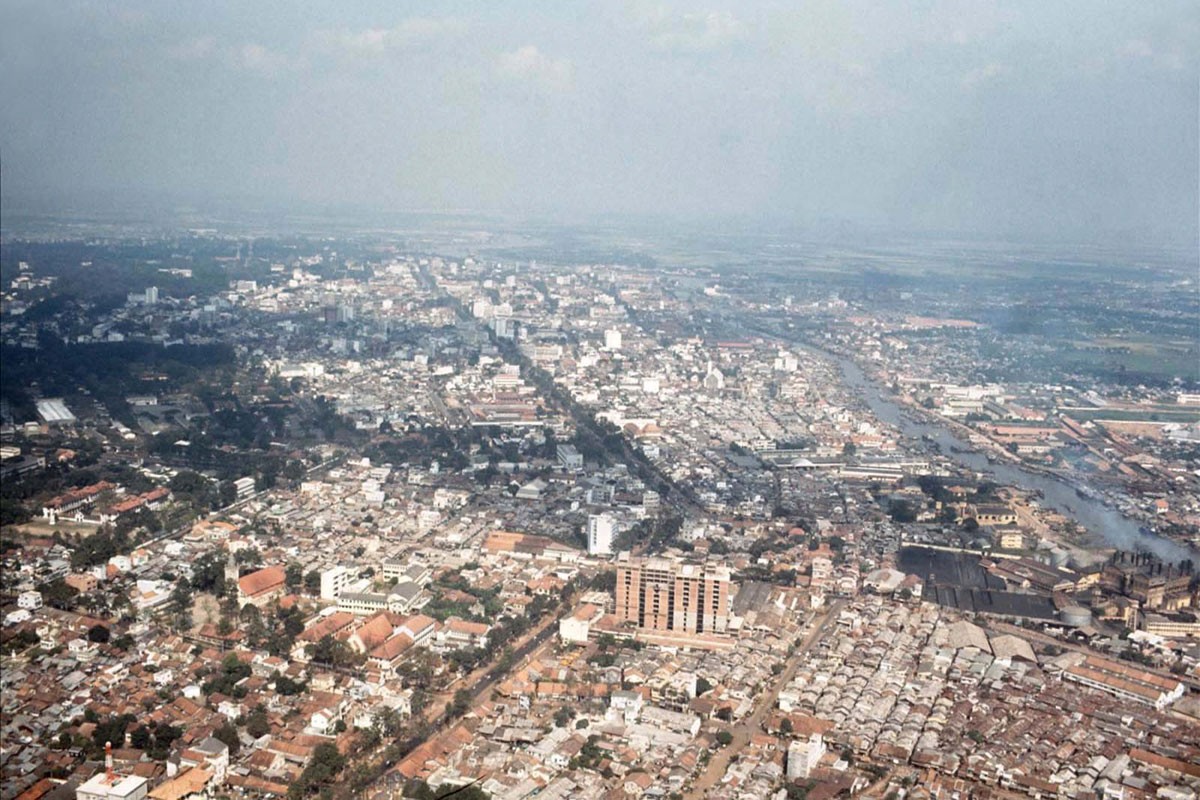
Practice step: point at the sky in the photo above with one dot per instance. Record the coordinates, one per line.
(1068, 119)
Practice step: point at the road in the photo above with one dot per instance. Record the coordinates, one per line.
(718, 765)
(480, 682)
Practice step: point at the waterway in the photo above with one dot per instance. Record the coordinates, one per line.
(1112, 526)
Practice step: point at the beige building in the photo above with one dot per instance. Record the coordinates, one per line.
(82, 582)
(660, 595)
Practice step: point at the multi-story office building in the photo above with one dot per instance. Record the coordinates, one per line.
(600, 532)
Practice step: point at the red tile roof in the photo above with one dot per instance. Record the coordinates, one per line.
(262, 581)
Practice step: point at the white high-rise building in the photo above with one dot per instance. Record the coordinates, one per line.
(786, 362)
(600, 535)
(504, 327)
(612, 339)
(333, 582)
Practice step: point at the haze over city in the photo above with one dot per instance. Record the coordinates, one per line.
(1068, 120)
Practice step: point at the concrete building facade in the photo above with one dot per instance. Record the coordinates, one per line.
(660, 595)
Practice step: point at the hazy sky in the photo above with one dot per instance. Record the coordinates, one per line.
(1016, 118)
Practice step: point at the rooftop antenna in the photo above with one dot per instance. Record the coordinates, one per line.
(108, 762)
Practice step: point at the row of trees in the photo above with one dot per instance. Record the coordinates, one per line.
(155, 739)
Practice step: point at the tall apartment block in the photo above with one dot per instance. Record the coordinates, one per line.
(661, 595)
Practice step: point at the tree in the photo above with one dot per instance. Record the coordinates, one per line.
(227, 494)
(288, 687)
(208, 572)
(98, 634)
(58, 594)
(325, 764)
(20, 641)
(248, 557)
(112, 730)
(294, 576)
(229, 735)
(460, 704)
(233, 670)
(702, 686)
(563, 716)
(294, 470)
(724, 738)
(902, 511)
(312, 582)
(257, 724)
(786, 726)
(331, 651)
(188, 482)
(798, 791)
(387, 722)
(181, 604)
(141, 738)
(163, 735)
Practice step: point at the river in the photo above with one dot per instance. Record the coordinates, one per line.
(1114, 527)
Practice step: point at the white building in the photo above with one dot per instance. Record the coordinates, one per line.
(576, 629)
(333, 582)
(30, 601)
(504, 327)
(600, 535)
(624, 706)
(108, 785)
(803, 756)
(569, 457)
(103, 786)
(245, 487)
(612, 339)
(786, 362)
(17, 617)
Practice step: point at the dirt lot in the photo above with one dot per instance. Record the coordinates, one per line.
(40, 528)
(205, 608)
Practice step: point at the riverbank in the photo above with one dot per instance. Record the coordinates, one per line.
(1057, 492)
